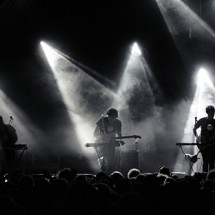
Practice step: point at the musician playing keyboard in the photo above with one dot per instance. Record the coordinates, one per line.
(8, 138)
(206, 138)
(107, 128)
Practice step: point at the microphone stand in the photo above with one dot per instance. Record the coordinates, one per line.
(102, 130)
(11, 120)
(103, 124)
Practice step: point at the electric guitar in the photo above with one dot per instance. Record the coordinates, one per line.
(203, 144)
(116, 140)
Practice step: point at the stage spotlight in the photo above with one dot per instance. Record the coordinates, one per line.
(204, 95)
(84, 98)
(135, 101)
(74, 86)
(27, 133)
(136, 50)
(183, 23)
(203, 78)
(179, 17)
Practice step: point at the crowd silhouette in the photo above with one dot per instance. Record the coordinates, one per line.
(71, 192)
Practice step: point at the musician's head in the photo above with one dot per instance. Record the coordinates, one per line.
(210, 110)
(112, 113)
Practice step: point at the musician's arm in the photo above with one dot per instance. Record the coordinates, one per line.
(96, 131)
(119, 133)
(194, 131)
(119, 129)
(198, 137)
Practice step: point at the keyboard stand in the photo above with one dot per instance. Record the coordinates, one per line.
(18, 147)
(21, 154)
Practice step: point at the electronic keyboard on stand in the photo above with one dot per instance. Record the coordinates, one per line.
(187, 144)
(118, 141)
(17, 147)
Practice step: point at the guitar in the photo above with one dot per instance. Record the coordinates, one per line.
(203, 143)
(117, 141)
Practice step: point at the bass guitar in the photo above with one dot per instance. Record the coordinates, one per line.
(203, 144)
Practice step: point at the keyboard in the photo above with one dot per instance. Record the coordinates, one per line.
(17, 147)
(187, 144)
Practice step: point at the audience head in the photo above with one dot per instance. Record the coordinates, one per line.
(133, 173)
(100, 175)
(164, 170)
(211, 175)
(116, 176)
(68, 174)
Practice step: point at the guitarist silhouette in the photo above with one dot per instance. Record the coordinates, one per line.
(206, 139)
(107, 128)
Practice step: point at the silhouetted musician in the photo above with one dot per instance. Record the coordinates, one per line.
(206, 138)
(107, 128)
(8, 138)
